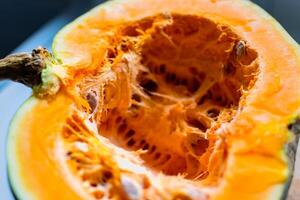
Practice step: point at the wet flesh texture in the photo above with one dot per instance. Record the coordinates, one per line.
(167, 85)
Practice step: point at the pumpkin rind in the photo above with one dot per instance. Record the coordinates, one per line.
(28, 188)
(256, 137)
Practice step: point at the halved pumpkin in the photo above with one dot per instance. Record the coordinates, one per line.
(160, 99)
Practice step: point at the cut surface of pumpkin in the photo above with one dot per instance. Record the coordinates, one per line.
(161, 99)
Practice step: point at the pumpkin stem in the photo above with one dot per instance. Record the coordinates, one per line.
(25, 68)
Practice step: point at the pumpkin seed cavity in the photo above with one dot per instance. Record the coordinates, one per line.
(167, 87)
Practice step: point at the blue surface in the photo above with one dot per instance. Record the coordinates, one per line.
(12, 95)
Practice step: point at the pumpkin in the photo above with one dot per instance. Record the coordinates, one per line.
(158, 99)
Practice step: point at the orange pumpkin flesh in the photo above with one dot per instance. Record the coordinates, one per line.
(164, 100)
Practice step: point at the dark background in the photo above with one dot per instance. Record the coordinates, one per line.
(20, 18)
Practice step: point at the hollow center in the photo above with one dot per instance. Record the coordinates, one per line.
(169, 83)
